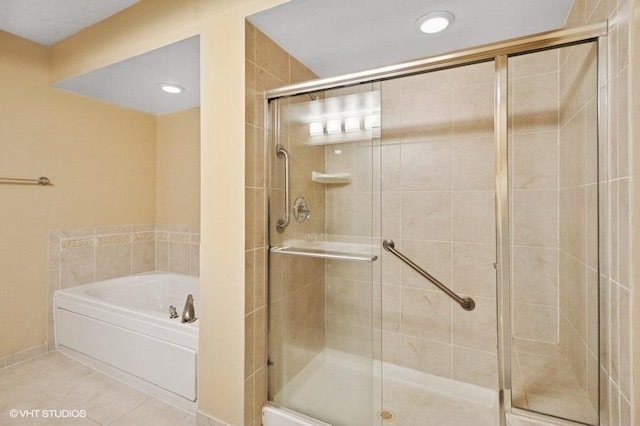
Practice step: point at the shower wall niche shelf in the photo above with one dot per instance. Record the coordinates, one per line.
(331, 177)
(327, 250)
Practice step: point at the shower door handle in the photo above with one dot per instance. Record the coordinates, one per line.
(466, 303)
(281, 224)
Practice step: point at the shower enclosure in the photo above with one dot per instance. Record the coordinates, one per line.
(434, 236)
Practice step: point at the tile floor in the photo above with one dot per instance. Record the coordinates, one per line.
(54, 381)
(544, 381)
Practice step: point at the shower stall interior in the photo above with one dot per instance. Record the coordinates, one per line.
(434, 240)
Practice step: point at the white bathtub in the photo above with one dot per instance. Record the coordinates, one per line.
(122, 327)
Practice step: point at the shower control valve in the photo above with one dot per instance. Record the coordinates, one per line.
(301, 210)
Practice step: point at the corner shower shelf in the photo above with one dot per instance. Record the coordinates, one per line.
(327, 250)
(331, 177)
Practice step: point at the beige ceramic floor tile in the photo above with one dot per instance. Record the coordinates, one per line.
(152, 413)
(56, 382)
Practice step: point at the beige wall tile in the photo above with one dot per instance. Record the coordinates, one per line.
(425, 166)
(77, 266)
(425, 355)
(143, 256)
(271, 57)
(535, 322)
(535, 106)
(476, 329)
(473, 111)
(471, 75)
(476, 367)
(426, 215)
(162, 256)
(474, 217)
(545, 62)
(340, 300)
(535, 218)
(473, 270)
(433, 257)
(473, 163)
(535, 160)
(179, 258)
(426, 314)
(535, 275)
(112, 261)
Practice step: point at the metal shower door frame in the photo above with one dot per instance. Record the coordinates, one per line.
(499, 54)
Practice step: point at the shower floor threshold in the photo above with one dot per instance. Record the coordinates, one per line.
(327, 250)
(344, 389)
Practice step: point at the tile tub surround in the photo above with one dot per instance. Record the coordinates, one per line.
(83, 255)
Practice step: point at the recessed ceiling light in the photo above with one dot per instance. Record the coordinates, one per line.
(171, 88)
(435, 22)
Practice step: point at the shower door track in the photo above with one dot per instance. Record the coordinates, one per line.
(483, 53)
(497, 53)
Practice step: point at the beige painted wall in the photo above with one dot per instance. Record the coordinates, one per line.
(78, 143)
(178, 168)
(221, 25)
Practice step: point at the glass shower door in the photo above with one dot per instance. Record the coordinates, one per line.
(553, 187)
(322, 200)
(437, 194)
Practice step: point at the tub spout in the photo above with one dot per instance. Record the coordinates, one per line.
(189, 313)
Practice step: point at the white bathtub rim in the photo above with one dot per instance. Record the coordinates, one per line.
(145, 322)
(80, 292)
(131, 380)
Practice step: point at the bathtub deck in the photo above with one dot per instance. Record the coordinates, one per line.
(54, 381)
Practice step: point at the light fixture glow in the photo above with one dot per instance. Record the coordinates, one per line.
(435, 22)
(316, 129)
(352, 124)
(337, 151)
(334, 127)
(371, 121)
(174, 89)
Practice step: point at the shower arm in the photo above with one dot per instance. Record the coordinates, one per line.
(283, 223)
(467, 303)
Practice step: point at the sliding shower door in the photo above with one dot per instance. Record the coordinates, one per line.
(553, 182)
(323, 207)
(439, 351)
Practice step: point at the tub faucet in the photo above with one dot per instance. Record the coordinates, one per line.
(188, 313)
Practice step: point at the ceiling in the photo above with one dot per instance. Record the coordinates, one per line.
(134, 83)
(49, 21)
(336, 37)
(331, 37)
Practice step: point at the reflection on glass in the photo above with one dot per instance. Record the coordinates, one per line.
(320, 285)
(554, 228)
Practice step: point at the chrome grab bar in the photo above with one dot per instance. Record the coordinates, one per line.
(43, 181)
(283, 223)
(467, 303)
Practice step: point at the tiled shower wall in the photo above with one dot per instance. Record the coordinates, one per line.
(616, 289)
(533, 150)
(266, 66)
(578, 249)
(436, 159)
(84, 255)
